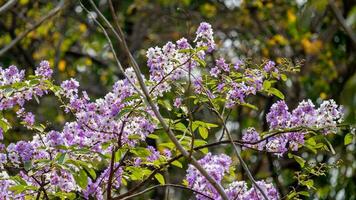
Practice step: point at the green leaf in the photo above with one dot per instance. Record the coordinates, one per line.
(160, 179)
(61, 158)
(153, 136)
(283, 77)
(180, 127)
(249, 106)
(177, 164)
(276, 93)
(21, 188)
(200, 61)
(266, 85)
(299, 159)
(165, 104)
(27, 165)
(186, 51)
(203, 132)
(348, 139)
(309, 183)
(304, 193)
(4, 125)
(204, 150)
(81, 178)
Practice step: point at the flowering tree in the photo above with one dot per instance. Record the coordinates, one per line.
(104, 149)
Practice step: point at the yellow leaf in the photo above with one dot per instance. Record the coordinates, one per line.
(23, 2)
(280, 39)
(62, 65)
(311, 47)
(323, 95)
(88, 62)
(291, 16)
(82, 27)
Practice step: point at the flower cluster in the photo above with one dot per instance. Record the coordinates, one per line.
(237, 81)
(324, 119)
(174, 60)
(97, 124)
(12, 78)
(217, 166)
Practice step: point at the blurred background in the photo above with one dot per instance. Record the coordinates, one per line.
(319, 34)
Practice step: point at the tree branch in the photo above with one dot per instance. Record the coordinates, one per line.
(342, 22)
(7, 6)
(167, 185)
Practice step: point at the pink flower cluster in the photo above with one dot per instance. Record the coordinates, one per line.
(218, 166)
(323, 119)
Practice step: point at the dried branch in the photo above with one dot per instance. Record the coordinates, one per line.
(8, 5)
(340, 19)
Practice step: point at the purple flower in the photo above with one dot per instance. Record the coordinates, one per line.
(214, 72)
(216, 166)
(25, 150)
(220, 63)
(177, 102)
(70, 87)
(29, 118)
(183, 43)
(44, 69)
(279, 116)
(269, 66)
(238, 64)
(251, 135)
(204, 37)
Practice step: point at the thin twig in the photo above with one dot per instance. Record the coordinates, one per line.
(167, 185)
(7, 6)
(342, 22)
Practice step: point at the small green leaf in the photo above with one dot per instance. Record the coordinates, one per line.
(309, 183)
(299, 159)
(153, 136)
(283, 77)
(266, 85)
(180, 127)
(204, 150)
(276, 93)
(203, 132)
(61, 158)
(4, 125)
(348, 139)
(177, 164)
(81, 178)
(160, 179)
(27, 165)
(249, 106)
(304, 193)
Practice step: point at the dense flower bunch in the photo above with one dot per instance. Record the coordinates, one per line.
(96, 126)
(175, 60)
(14, 77)
(324, 119)
(218, 166)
